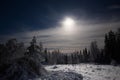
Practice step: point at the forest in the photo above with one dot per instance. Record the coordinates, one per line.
(108, 55)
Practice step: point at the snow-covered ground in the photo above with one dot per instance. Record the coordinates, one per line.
(89, 71)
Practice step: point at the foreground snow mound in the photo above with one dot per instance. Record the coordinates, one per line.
(24, 68)
(58, 75)
(16, 72)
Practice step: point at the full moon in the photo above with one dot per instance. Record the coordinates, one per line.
(68, 24)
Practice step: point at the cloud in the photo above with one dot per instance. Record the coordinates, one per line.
(55, 37)
(114, 7)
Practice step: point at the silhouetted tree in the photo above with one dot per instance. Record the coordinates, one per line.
(94, 51)
(118, 45)
(86, 55)
(110, 46)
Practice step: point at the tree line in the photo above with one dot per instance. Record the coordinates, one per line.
(109, 54)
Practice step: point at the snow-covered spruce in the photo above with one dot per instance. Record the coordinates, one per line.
(18, 64)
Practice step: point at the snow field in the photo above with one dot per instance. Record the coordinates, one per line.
(89, 71)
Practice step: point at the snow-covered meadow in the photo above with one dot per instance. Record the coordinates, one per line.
(89, 71)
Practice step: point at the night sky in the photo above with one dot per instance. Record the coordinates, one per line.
(22, 19)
